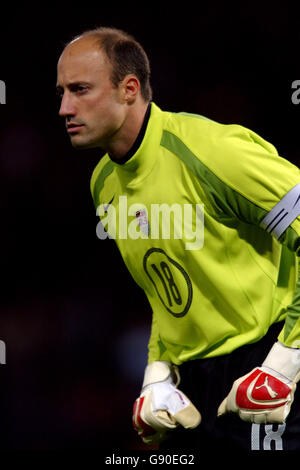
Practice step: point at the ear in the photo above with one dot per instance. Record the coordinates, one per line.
(130, 88)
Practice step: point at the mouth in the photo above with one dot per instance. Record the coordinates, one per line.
(73, 128)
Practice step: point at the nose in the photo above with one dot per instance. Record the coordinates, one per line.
(67, 107)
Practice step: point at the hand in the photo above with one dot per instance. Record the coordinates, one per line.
(161, 407)
(266, 394)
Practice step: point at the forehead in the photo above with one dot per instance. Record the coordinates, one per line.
(82, 59)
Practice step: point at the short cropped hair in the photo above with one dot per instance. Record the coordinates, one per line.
(126, 56)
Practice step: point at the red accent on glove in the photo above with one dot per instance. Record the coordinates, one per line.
(261, 391)
(139, 425)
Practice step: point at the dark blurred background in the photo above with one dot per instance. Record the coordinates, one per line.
(74, 323)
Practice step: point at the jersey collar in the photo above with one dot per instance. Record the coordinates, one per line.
(141, 158)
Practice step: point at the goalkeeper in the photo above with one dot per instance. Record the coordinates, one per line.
(224, 356)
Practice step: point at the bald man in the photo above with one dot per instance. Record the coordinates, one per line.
(226, 307)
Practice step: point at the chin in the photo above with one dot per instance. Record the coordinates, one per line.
(82, 145)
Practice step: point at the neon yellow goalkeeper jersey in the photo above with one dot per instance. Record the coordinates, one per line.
(205, 217)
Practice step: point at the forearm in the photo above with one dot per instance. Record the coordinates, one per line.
(290, 334)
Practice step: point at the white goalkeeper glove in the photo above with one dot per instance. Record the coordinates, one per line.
(161, 407)
(266, 394)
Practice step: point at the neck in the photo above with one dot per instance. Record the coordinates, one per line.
(122, 142)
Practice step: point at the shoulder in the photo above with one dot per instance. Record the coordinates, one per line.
(219, 147)
(205, 135)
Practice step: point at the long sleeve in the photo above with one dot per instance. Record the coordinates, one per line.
(156, 349)
(244, 178)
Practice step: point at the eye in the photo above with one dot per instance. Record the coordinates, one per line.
(59, 93)
(81, 89)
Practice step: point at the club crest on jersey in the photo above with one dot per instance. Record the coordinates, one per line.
(143, 221)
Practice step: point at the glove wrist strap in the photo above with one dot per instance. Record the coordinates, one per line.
(161, 371)
(284, 360)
